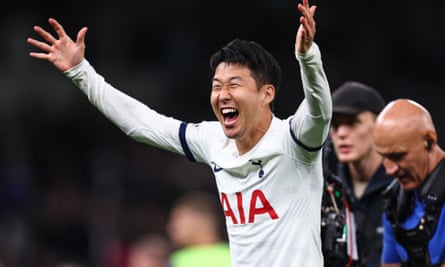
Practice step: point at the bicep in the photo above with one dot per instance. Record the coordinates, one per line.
(309, 130)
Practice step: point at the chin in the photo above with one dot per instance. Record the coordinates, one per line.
(346, 158)
(408, 185)
(230, 132)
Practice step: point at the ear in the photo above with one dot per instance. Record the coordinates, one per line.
(430, 140)
(268, 91)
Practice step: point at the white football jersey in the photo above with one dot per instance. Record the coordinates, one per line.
(271, 195)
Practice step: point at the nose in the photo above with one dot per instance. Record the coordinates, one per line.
(224, 93)
(391, 167)
(341, 130)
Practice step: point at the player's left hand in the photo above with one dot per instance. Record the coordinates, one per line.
(306, 30)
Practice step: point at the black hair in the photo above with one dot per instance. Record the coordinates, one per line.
(262, 64)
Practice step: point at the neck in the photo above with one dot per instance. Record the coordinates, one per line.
(364, 169)
(362, 172)
(254, 135)
(205, 239)
(435, 157)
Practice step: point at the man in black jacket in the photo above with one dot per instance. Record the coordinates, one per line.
(355, 179)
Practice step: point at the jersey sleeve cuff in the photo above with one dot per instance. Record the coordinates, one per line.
(70, 73)
(313, 51)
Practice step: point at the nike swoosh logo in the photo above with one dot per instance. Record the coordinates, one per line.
(216, 168)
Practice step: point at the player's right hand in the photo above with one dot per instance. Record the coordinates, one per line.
(62, 52)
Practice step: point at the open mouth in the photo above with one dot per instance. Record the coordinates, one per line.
(229, 115)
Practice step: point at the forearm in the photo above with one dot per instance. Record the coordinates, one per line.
(315, 83)
(315, 112)
(133, 117)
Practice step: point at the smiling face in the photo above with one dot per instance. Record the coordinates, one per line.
(240, 106)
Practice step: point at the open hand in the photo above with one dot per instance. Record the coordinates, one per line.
(63, 52)
(306, 31)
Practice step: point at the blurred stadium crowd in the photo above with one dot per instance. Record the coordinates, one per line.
(73, 186)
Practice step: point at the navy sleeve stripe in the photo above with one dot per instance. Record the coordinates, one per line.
(184, 145)
(310, 149)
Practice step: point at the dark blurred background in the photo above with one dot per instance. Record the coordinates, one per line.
(74, 188)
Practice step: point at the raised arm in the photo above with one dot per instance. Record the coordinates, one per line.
(133, 117)
(62, 52)
(310, 124)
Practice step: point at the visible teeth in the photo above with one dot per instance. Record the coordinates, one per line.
(228, 110)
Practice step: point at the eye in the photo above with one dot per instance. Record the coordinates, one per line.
(395, 156)
(344, 120)
(216, 86)
(234, 85)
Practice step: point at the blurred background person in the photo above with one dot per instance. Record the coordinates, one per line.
(355, 179)
(150, 250)
(196, 229)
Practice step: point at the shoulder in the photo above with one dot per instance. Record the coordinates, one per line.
(213, 127)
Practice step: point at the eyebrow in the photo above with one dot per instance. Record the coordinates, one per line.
(231, 79)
